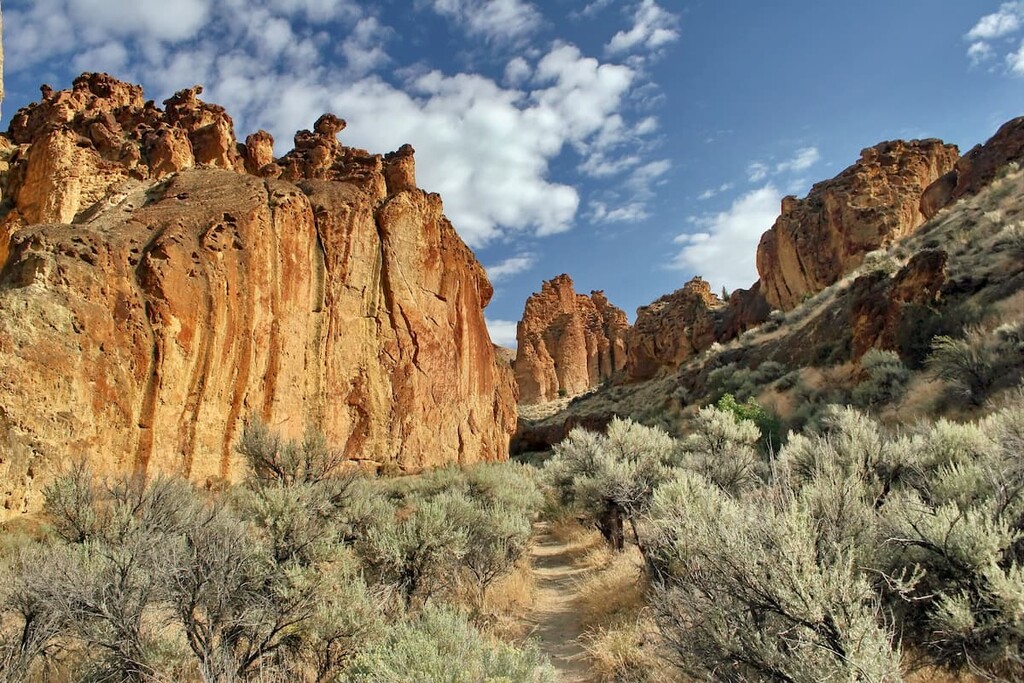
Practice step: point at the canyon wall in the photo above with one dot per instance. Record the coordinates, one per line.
(163, 283)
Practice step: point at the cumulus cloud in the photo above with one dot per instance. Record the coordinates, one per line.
(653, 27)
(994, 29)
(1004, 21)
(496, 20)
(631, 212)
(520, 263)
(486, 147)
(503, 332)
(724, 245)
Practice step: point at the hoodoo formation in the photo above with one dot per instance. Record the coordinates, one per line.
(164, 282)
(567, 342)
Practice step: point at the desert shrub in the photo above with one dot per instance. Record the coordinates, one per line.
(272, 459)
(626, 653)
(1012, 237)
(968, 365)
(885, 379)
(752, 411)
(954, 547)
(722, 447)
(920, 324)
(746, 593)
(418, 549)
(610, 478)
(743, 383)
(441, 646)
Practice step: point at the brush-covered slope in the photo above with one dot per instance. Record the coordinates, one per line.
(867, 338)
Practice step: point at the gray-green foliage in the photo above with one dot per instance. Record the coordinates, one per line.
(885, 379)
(748, 595)
(855, 535)
(723, 449)
(441, 646)
(610, 478)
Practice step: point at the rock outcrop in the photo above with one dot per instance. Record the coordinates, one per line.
(673, 329)
(976, 169)
(878, 301)
(155, 295)
(877, 200)
(568, 342)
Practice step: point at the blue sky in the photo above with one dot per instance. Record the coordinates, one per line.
(630, 144)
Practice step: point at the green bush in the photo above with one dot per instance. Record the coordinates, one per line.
(752, 411)
(722, 448)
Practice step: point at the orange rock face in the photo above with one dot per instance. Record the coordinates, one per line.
(568, 342)
(674, 328)
(869, 205)
(977, 168)
(148, 310)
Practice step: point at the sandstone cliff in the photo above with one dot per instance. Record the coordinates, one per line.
(156, 294)
(568, 342)
(818, 239)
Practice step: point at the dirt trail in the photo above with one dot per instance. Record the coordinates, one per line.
(555, 615)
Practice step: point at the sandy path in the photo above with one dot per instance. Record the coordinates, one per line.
(555, 617)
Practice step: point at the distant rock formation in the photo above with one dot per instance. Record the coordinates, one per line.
(869, 205)
(977, 168)
(673, 329)
(568, 342)
(162, 283)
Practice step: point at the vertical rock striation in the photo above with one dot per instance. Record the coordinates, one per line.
(155, 295)
(568, 343)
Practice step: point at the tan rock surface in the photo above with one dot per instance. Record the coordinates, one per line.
(146, 318)
(568, 343)
(976, 169)
(673, 329)
(877, 200)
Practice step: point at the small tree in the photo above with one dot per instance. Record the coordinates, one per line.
(610, 478)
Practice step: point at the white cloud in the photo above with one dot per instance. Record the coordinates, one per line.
(500, 20)
(632, 212)
(1006, 21)
(364, 46)
(980, 52)
(503, 332)
(653, 27)
(757, 171)
(518, 71)
(801, 160)
(712, 192)
(487, 148)
(1015, 61)
(724, 250)
(520, 263)
(1003, 22)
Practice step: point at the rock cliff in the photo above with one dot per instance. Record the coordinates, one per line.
(976, 169)
(877, 200)
(568, 342)
(162, 283)
(673, 329)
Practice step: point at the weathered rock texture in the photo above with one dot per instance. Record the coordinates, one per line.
(869, 205)
(878, 301)
(976, 169)
(673, 329)
(568, 342)
(155, 295)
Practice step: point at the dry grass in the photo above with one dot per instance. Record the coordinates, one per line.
(628, 653)
(613, 593)
(507, 601)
